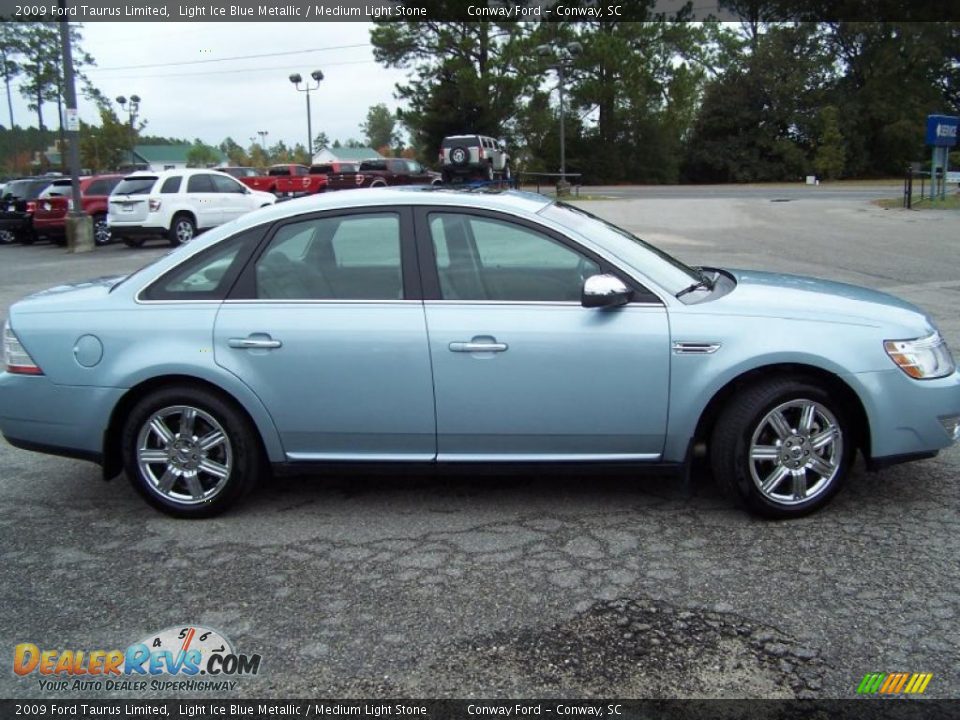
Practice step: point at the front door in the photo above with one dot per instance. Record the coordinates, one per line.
(521, 370)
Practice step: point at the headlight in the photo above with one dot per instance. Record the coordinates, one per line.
(923, 358)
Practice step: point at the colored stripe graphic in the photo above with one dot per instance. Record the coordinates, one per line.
(871, 683)
(894, 683)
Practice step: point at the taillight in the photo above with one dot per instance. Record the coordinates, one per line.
(16, 359)
(153, 204)
(31, 206)
(359, 179)
(480, 154)
(69, 203)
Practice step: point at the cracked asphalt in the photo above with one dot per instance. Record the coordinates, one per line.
(484, 585)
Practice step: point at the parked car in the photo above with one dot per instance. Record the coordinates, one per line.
(434, 326)
(55, 202)
(17, 206)
(383, 172)
(177, 204)
(289, 179)
(466, 157)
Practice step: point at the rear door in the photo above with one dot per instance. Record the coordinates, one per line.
(204, 199)
(128, 202)
(327, 327)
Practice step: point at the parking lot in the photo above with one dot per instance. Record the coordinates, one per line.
(492, 585)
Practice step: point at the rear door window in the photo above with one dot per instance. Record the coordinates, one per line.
(171, 185)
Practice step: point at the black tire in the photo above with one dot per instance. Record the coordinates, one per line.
(101, 230)
(786, 482)
(506, 173)
(182, 229)
(447, 177)
(378, 184)
(239, 453)
(7, 237)
(488, 173)
(26, 237)
(134, 242)
(459, 156)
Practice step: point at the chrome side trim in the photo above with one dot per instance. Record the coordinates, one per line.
(695, 348)
(360, 457)
(547, 457)
(557, 303)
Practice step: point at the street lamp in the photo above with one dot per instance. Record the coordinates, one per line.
(317, 75)
(561, 57)
(132, 106)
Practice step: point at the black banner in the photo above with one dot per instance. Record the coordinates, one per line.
(611, 709)
(469, 10)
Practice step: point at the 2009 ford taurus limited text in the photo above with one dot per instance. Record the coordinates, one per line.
(436, 326)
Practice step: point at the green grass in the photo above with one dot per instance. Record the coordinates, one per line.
(951, 202)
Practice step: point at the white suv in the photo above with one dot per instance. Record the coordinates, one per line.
(177, 204)
(473, 156)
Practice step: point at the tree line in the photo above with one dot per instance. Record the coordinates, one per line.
(651, 100)
(665, 102)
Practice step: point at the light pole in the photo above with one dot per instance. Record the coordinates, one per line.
(317, 75)
(263, 138)
(561, 56)
(132, 106)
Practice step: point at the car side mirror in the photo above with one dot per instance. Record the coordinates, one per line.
(604, 291)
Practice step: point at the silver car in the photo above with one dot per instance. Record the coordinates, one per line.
(434, 326)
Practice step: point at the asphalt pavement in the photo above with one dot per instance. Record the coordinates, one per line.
(535, 585)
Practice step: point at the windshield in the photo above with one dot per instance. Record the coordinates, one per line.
(139, 185)
(671, 274)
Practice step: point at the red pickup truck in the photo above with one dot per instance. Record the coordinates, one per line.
(290, 179)
(50, 216)
(383, 172)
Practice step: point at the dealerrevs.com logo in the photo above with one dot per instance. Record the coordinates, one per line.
(187, 658)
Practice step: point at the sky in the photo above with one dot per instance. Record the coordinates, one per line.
(215, 96)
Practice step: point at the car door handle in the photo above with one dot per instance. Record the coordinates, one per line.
(262, 343)
(474, 347)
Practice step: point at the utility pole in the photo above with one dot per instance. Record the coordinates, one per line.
(79, 229)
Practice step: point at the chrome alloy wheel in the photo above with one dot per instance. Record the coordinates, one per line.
(183, 229)
(795, 452)
(184, 454)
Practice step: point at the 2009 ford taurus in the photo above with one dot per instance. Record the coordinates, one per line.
(435, 326)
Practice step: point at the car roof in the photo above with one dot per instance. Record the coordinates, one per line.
(509, 201)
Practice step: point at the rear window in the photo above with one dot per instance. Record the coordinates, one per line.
(25, 189)
(102, 186)
(321, 169)
(348, 167)
(278, 171)
(135, 185)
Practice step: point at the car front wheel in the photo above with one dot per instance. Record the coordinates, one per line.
(182, 230)
(190, 453)
(784, 446)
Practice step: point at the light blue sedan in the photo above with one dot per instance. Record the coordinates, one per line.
(436, 326)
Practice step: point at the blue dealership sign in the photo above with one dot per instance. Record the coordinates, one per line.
(942, 130)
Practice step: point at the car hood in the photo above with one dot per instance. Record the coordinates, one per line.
(799, 297)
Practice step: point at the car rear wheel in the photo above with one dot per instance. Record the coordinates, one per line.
(783, 446)
(189, 452)
(488, 173)
(6, 237)
(101, 230)
(182, 230)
